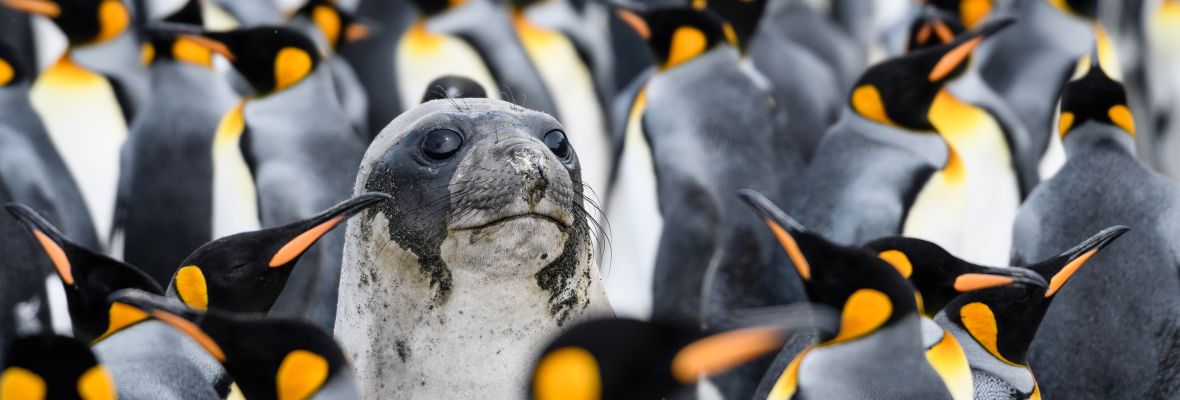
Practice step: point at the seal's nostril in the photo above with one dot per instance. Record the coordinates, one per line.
(529, 164)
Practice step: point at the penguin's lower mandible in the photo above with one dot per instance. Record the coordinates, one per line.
(453, 287)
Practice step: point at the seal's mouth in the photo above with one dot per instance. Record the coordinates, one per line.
(530, 215)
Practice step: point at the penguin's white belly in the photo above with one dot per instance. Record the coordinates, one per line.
(235, 198)
(572, 87)
(85, 122)
(969, 208)
(1164, 40)
(635, 223)
(423, 57)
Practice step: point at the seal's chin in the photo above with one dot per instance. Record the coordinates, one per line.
(493, 222)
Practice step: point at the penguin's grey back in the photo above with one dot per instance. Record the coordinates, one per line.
(1111, 331)
(803, 85)
(168, 170)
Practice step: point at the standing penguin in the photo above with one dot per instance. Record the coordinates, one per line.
(996, 325)
(331, 28)
(85, 110)
(968, 208)
(41, 365)
(170, 142)
(679, 130)
(569, 76)
(1103, 179)
(24, 276)
(34, 169)
(268, 358)
(246, 272)
(299, 146)
(474, 39)
(1029, 65)
(877, 351)
(934, 27)
(885, 150)
(619, 358)
(1162, 30)
(89, 278)
(807, 93)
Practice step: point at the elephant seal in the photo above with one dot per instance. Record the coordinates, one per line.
(484, 253)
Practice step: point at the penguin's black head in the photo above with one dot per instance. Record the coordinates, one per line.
(430, 8)
(453, 87)
(900, 91)
(89, 278)
(270, 58)
(339, 27)
(678, 35)
(188, 14)
(970, 12)
(48, 366)
(247, 271)
(12, 66)
(1081, 8)
(1004, 319)
(868, 291)
(938, 276)
(741, 17)
(268, 358)
(83, 21)
(1094, 97)
(617, 358)
(932, 28)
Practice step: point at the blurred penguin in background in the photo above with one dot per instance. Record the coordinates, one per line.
(25, 271)
(798, 22)
(34, 171)
(42, 365)
(1029, 65)
(1161, 23)
(373, 58)
(332, 28)
(87, 98)
(165, 206)
(1112, 331)
(300, 148)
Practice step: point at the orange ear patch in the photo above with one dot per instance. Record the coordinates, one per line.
(899, 261)
(301, 243)
(866, 100)
(568, 373)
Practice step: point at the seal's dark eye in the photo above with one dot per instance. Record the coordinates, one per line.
(555, 141)
(441, 144)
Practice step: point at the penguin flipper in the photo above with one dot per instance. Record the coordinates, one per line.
(687, 246)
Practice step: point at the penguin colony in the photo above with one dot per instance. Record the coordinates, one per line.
(589, 199)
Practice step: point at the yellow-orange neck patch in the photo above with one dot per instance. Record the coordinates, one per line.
(950, 362)
(96, 384)
(788, 383)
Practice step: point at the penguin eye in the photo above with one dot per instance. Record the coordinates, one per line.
(556, 142)
(441, 144)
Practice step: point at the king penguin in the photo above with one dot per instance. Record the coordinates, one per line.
(88, 277)
(33, 169)
(1162, 30)
(968, 209)
(332, 28)
(40, 365)
(618, 358)
(246, 272)
(1132, 331)
(877, 351)
(268, 358)
(873, 163)
(1029, 65)
(568, 72)
(86, 111)
(807, 93)
(160, 220)
(996, 325)
(25, 277)
(299, 146)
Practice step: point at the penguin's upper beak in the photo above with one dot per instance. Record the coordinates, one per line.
(785, 228)
(46, 8)
(50, 239)
(987, 277)
(184, 319)
(958, 51)
(312, 229)
(1061, 267)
